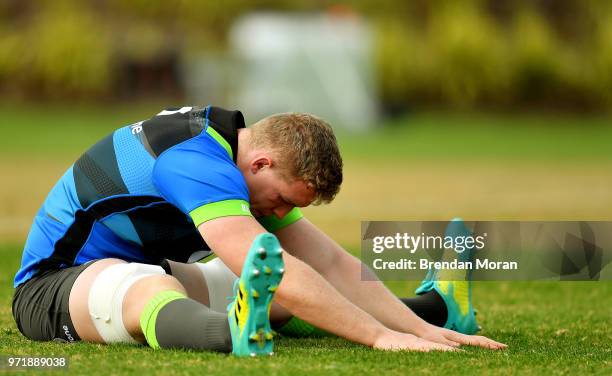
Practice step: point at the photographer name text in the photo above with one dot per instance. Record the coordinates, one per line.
(424, 264)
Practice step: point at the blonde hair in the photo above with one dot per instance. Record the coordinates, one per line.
(306, 149)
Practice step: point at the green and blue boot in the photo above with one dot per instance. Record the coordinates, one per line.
(455, 290)
(249, 312)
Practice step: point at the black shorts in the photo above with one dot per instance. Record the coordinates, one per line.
(40, 305)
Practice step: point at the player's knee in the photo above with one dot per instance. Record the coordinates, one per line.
(220, 281)
(150, 285)
(118, 294)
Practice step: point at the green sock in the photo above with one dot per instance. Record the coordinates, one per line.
(299, 328)
(172, 320)
(148, 317)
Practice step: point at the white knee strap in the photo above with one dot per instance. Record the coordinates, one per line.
(220, 280)
(106, 298)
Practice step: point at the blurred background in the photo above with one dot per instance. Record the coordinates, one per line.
(484, 109)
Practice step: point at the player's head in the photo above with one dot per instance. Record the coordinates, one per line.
(292, 160)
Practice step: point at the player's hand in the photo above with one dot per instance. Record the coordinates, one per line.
(455, 339)
(396, 341)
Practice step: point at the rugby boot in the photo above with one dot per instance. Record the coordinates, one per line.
(249, 312)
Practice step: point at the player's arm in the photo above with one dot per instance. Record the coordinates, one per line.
(305, 241)
(343, 271)
(303, 291)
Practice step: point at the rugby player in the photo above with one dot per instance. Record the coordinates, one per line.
(112, 253)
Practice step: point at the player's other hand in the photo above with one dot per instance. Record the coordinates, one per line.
(396, 341)
(455, 339)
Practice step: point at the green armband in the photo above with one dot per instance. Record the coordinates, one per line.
(226, 208)
(273, 223)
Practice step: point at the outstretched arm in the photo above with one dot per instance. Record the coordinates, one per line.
(304, 292)
(343, 271)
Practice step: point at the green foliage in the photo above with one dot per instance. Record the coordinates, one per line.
(445, 53)
(79, 62)
(542, 65)
(468, 54)
(538, 68)
(603, 55)
(460, 55)
(63, 51)
(9, 47)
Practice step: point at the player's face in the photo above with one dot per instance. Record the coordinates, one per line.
(270, 193)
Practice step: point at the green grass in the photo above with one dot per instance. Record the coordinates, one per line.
(521, 137)
(62, 131)
(551, 328)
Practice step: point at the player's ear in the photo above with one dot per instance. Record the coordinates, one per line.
(259, 163)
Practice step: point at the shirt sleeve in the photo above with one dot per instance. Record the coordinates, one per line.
(272, 223)
(199, 177)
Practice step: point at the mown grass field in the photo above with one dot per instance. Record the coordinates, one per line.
(427, 166)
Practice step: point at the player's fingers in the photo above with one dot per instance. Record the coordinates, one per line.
(478, 341)
(439, 346)
(461, 338)
(491, 343)
(423, 345)
(458, 337)
(488, 343)
(448, 340)
(443, 340)
(453, 343)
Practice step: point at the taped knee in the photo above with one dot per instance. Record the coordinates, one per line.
(105, 300)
